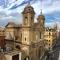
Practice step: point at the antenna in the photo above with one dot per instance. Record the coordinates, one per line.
(41, 6)
(41, 12)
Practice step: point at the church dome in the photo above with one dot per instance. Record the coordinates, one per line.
(41, 17)
(28, 9)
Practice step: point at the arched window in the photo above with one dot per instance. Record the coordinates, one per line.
(25, 17)
(21, 35)
(26, 20)
(31, 18)
(25, 38)
(49, 34)
(40, 35)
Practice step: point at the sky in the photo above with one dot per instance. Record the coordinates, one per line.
(10, 10)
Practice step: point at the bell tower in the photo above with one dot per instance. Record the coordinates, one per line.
(28, 16)
(28, 21)
(41, 21)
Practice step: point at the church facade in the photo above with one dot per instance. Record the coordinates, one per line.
(29, 35)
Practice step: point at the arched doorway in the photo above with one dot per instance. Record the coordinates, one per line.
(15, 57)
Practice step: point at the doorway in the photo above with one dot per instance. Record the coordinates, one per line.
(15, 57)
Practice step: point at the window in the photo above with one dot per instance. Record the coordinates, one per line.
(26, 20)
(21, 35)
(31, 18)
(25, 38)
(49, 44)
(49, 40)
(49, 34)
(25, 17)
(40, 35)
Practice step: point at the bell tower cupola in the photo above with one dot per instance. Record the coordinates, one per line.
(41, 22)
(41, 17)
(28, 15)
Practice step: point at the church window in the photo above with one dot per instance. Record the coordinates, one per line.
(49, 44)
(25, 38)
(31, 18)
(26, 20)
(21, 35)
(40, 35)
(49, 40)
(49, 34)
(25, 17)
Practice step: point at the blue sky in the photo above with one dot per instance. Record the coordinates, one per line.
(10, 10)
